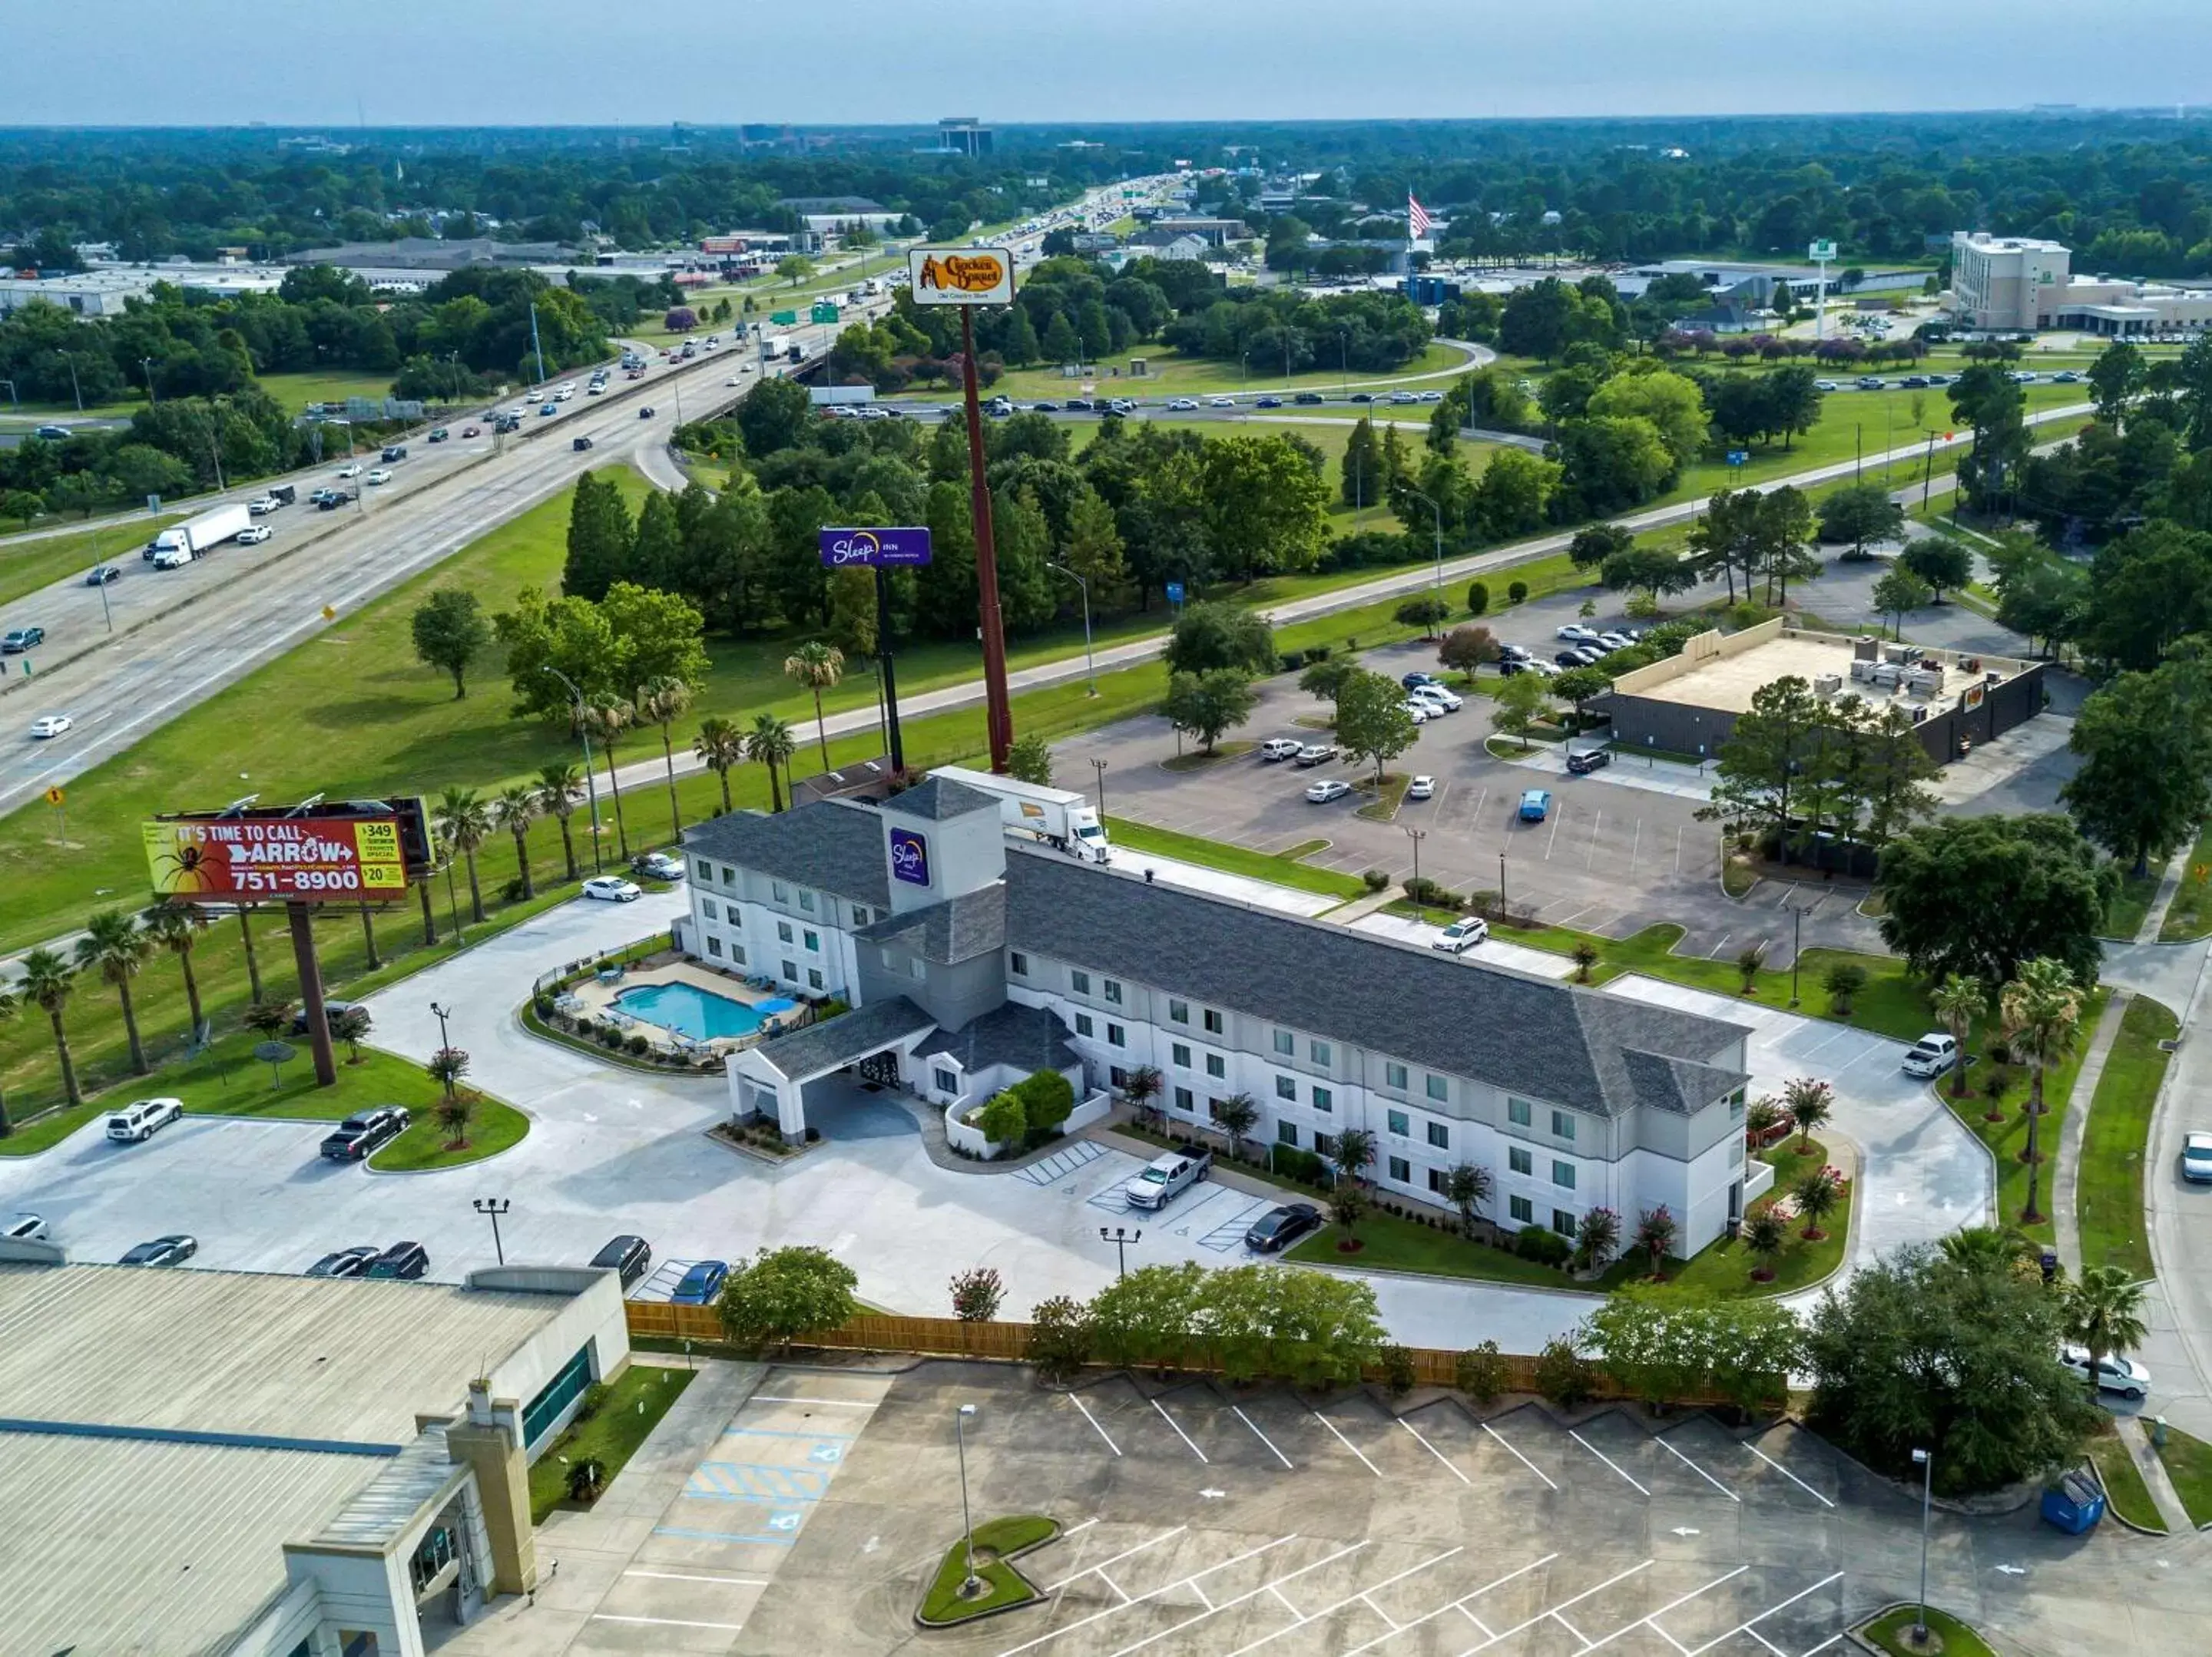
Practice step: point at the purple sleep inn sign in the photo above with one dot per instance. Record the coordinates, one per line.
(910, 857)
(864, 548)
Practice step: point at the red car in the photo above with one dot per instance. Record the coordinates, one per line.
(468, 431)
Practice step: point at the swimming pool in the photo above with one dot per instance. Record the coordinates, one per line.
(700, 1014)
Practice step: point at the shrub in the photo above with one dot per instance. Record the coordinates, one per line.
(1563, 1375)
(1545, 1247)
(594, 1400)
(1481, 1373)
(511, 892)
(977, 1294)
(1305, 1166)
(1842, 982)
(1315, 653)
(1398, 1370)
(1517, 592)
(1478, 598)
(1047, 1096)
(638, 1044)
(1004, 1120)
(1429, 893)
(814, 1136)
(587, 1479)
(1290, 661)
(1375, 879)
(610, 1037)
(1060, 1339)
(542, 1005)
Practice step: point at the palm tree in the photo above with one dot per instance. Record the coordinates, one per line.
(1764, 1236)
(515, 807)
(1816, 1193)
(464, 822)
(1355, 1152)
(9, 1008)
(1598, 1238)
(2104, 1312)
(560, 792)
(1235, 1116)
(113, 947)
(607, 716)
(1142, 1089)
(2042, 1014)
(1958, 1001)
(1655, 1235)
(1978, 1248)
(48, 979)
(662, 701)
(721, 747)
(1810, 1103)
(770, 743)
(1466, 1187)
(817, 667)
(1346, 1205)
(177, 928)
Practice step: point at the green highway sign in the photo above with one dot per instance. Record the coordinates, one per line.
(823, 310)
(783, 318)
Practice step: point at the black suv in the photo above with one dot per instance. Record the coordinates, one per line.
(1307, 396)
(629, 1256)
(402, 1259)
(363, 1132)
(331, 1009)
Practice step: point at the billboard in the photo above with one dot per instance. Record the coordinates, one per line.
(271, 858)
(961, 275)
(865, 548)
(1821, 251)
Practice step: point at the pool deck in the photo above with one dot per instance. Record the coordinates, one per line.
(596, 1000)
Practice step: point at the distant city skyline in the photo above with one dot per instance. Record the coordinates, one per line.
(496, 62)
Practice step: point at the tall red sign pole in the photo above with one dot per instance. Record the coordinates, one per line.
(998, 713)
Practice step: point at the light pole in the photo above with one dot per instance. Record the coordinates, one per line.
(1501, 885)
(13, 402)
(445, 1045)
(971, 1582)
(1797, 947)
(76, 390)
(1123, 1241)
(1099, 766)
(152, 396)
(492, 1208)
(1344, 361)
(1090, 667)
(1437, 513)
(1925, 1460)
(1417, 835)
(590, 787)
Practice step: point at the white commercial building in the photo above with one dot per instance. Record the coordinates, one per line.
(87, 293)
(970, 960)
(2018, 284)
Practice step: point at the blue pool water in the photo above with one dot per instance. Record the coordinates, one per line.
(700, 1014)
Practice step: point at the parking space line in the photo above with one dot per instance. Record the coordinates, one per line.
(1554, 1611)
(1116, 1559)
(832, 1403)
(1432, 1450)
(664, 1622)
(1342, 1439)
(1368, 1600)
(1349, 1599)
(1700, 1472)
(1518, 1457)
(1552, 839)
(1678, 848)
(1649, 1619)
(1238, 1411)
(1745, 1628)
(1190, 1581)
(1202, 1599)
(1285, 1599)
(1606, 1459)
(1835, 1639)
(1179, 1432)
(1573, 1632)
(1229, 1605)
(1093, 1420)
(1120, 1593)
(682, 1576)
(1768, 1643)
(1596, 823)
(1635, 846)
(1458, 1606)
(1787, 1474)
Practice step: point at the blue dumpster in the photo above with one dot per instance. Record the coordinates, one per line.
(2074, 1504)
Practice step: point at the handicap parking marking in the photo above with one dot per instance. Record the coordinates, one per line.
(1229, 1233)
(753, 1481)
(1062, 1163)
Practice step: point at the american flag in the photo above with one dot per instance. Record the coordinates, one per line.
(1417, 217)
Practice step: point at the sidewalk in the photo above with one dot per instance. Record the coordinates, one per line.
(2162, 1493)
(2169, 883)
(2066, 1175)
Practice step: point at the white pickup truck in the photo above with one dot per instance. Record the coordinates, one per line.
(1166, 1177)
(1931, 1055)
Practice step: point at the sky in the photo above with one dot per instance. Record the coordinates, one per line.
(133, 63)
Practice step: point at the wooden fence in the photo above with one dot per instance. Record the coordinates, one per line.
(1009, 1342)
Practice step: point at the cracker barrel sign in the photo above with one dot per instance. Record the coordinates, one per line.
(961, 275)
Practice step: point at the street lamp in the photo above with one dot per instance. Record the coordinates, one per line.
(1797, 947)
(591, 786)
(445, 1043)
(492, 1208)
(971, 1582)
(1122, 1242)
(1090, 667)
(1437, 513)
(1925, 1460)
(1501, 885)
(152, 396)
(1417, 835)
(1099, 766)
(13, 402)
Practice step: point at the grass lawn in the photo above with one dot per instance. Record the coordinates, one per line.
(26, 566)
(1282, 870)
(632, 1406)
(2189, 1464)
(1724, 1269)
(295, 391)
(2123, 1480)
(2109, 1197)
(1387, 796)
(229, 1081)
(1207, 759)
(492, 1127)
(1891, 1631)
(2190, 916)
(2123, 916)
(1170, 373)
(996, 1541)
(1387, 1243)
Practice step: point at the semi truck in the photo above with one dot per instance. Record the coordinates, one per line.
(1059, 817)
(196, 536)
(772, 345)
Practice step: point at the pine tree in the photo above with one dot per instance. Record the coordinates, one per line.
(1023, 541)
(1059, 341)
(1093, 550)
(1396, 467)
(1362, 466)
(599, 539)
(657, 550)
(1019, 340)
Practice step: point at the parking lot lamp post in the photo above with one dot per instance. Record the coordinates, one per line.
(1501, 885)
(1090, 667)
(967, 1523)
(1417, 835)
(1926, 1462)
(1099, 766)
(590, 787)
(1122, 1242)
(1797, 947)
(494, 1207)
(12, 401)
(1437, 513)
(444, 1042)
(153, 397)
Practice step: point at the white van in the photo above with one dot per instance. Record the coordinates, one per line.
(138, 1119)
(1166, 1177)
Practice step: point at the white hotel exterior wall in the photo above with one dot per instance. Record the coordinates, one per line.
(735, 917)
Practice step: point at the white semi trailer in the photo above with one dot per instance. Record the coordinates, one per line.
(1058, 817)
(196, 536)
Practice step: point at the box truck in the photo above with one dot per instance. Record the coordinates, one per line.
(1058, 817)
(196, 536)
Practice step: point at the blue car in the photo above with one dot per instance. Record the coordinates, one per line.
(700, 1283)
(1536, 805)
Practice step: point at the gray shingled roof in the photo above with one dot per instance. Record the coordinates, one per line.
(1679, 1086)
(958, 929)
(1552, 1042)
(1026, 1038)
(848, 1036)
(936, 799)
(833, 845)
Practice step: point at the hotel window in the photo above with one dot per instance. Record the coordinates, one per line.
(814, 978)
(1286, 1133)
(1019, 963)
(783, 931)
(1323, 1100)
(1286, 1089)
(1214, 1026)
(1521, 1210)
(1563, 1222)
(1216, 1065)
(1438, 1087)
(1178, 1012)
(704, 869)
(1113, 988)
(1518, 1112)
(1562, 1175)
(1401, 1171)
(1083, 1023)
(1117, 1036)
(947, 1082)
(775, 890)
(1393, 1076)
(1563, 1126)
(1183, 1101)
(806, 899)
(1287, 1044)
(1118, 1077)
(1080, 982)
(1179, 1055)
(814, 942)
(715, 947)
(859, 914)
(1519, 1161)
(729, 876)
(1325, 1143)
(738, 953)
(1440, 1136)
(707, 911)
(790, 971)
(1318, 1051)
(918, 968)
(1399, 1123)
(1437, 1181)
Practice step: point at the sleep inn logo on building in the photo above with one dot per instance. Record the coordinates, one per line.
(910, 857)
